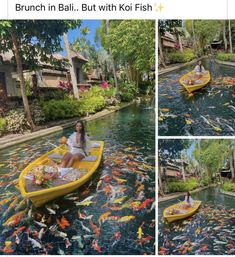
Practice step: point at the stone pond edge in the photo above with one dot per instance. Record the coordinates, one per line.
(4, 143)
(176, 195)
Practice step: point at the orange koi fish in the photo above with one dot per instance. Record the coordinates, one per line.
(95, 246)
(18, 230)
(15, 219)
(63, 223)
(7, 248)
(104, 216)
(95, 228)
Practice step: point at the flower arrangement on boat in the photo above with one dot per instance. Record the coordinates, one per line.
(43, 175)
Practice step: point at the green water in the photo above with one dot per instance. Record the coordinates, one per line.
(129, 155)
(210, 231)
(206, 109)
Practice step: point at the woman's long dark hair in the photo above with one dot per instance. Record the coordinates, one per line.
(83, 133)
(200, 67)
(188, 195)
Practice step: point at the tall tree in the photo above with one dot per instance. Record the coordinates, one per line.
(71, 67)
(132, 43)
(230, 37)
(224, 36)
(33, 42)
(163, 27)
(111, 57)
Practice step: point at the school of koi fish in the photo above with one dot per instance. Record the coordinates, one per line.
(114, 213)
(209, 111)
(211, 231)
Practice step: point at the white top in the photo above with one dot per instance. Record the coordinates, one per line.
(75, 147)
(190, 201)
(197, 69)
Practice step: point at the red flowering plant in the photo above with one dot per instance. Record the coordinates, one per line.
(66, 86)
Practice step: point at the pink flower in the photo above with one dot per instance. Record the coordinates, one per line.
(38, 182)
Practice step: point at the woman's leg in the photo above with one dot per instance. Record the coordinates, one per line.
(65, 160)
(75, 157)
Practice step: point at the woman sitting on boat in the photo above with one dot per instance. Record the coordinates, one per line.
(199, 69)
(79, 144)
(188, 200)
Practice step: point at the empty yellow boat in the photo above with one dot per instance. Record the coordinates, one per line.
(191, 83)
(178, 212)
(39, 195)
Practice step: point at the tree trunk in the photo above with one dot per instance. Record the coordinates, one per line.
(162, 59)
(230, 37)
(183, 171)
(160, 187)
(194, 38)
(112, 60)
(22, 80)
(71, 67)
(180, 43)
(224, 36)
(232, 162)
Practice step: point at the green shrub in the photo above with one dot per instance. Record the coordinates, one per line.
(146, 86)
(48, 93)
(93, 91)
(128, 91)
(180, 186)
(228, 186)
(205, 181)
(69, 108)
(92, 105)
(2, 126)
(38, 115)
(60, 109)
(109, 92)
(226, 57)
(178, 57)
(16, 122)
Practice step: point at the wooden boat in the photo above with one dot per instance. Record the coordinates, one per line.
(170, 213)
(41, 195)
(191, 83)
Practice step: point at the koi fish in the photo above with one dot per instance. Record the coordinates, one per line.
(95, 228)
(18, 230)
(67, 243)
(145, 203)
(95, 246)
(21, 203)
(63, 223)
(126, 218)
(35, 243)
(119, 180)
(15, 219)
(117, 235)
(85, 228)
(104, 216)
(6, 200)
(84, 217)
(86, 203)
(7, 248)
(107, 189)
(51, 211)
(120, 200)
(140, 231)
(144, 240)
(40, 224)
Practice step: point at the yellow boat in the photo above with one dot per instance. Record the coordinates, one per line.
(191, 83)
(170, 213)
(41, 195)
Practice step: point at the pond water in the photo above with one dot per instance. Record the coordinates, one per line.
(210, 231)
(123, 186)
(210, 111)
